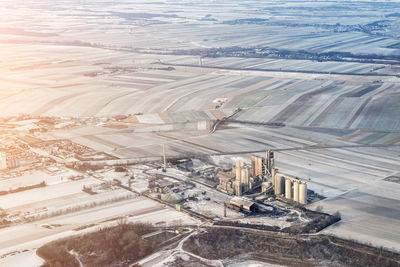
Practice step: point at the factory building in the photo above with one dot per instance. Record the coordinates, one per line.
(242, 179)
(242, 204)
(267, 187)
(263, 167)
(248, 178)
(226, 182)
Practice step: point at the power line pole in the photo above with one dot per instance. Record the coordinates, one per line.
(164, 169)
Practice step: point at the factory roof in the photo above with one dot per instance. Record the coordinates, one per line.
(225, 175)
(241, 202)
(172, 198)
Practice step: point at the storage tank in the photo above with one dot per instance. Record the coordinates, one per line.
(278, 184)
(288, 189)
(238, 172)
(253, 166)
(238, 188)
(244, 176)
(296, 191)
(303, 193)
(274, 171)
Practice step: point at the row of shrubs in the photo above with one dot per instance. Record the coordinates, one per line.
(23, 188)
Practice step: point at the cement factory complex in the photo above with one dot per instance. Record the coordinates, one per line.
(199, 133)
(52, 185)
(262, 173)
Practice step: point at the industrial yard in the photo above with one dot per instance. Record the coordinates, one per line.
(288, 124)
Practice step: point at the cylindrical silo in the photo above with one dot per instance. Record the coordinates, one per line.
(278, 184)
(253, 166)
(238, 172)
(274, 171)
(242, 175)
(296, 191)
(303, 193)
(238, 188)
(288, 189)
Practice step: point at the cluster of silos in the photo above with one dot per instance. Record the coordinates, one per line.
(242, 178)
(242, 172)
(8, 161)
(291, 188)
(257, 166)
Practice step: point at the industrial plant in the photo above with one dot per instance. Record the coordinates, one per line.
(244, 179)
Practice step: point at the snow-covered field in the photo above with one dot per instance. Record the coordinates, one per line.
(33, 235)
(45, 193)
(87, 60)
(28, 179)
